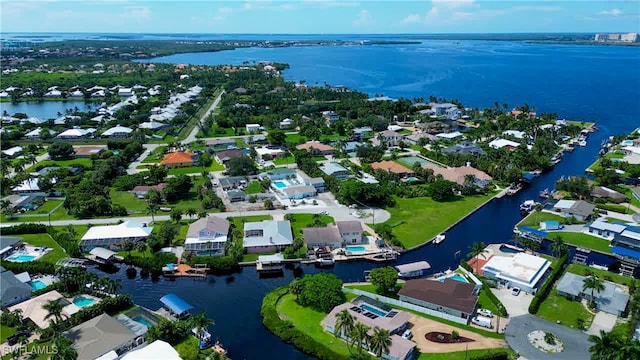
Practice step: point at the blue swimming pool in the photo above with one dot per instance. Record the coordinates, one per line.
(280, 184)
(627, 143)
(508, 249)
(373, 310)
(81, 301)
(21, 258)
(356, 248)
(38, 285)
(143, 320)
(456, 277)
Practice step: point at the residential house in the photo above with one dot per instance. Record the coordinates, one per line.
(450, 296)
(351, 232)
(335, 170)
(613, 299)
(152, 125)
(369, 313)
(522, 270)
(415, 138)
(316, 148)
(604, 229)
(111, 236)
(269, 152)
(220, 143)
(449, 135)
(252, 128)
(501, 143)
(256, 139)
(236, 195)
(76, 133)
(125, 92)
(156, 350)
(459, 174)
(286, 124)
(31, 308)
(117, 132)
(85, 151)
(208, 236)
(13, 152)
(449, 110)
(53, 94)
(104, 335)
(352, 146)
(223, 156)
(37, 133)
(316, 182)
(330, 116)
(602, 192)
(361, 132)
(390, 138)
(232, 182)
(393, 167)
(13, 290)
(322, 237)
(141, 191)
(515, 134)
(464, 148)
(579, 209)
(177, 159)
(267, 236)
(22, 202)
(27, 186)
(279, 174)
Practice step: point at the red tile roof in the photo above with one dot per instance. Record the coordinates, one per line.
(177, 158)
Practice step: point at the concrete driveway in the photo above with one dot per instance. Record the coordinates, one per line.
(515, 305)
(576, 344)
(602, 321)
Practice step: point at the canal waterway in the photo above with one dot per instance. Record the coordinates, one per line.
(45, 110)
(576, 82)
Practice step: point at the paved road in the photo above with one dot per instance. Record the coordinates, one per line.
(148, 148)
(192, 135)
(576, 344)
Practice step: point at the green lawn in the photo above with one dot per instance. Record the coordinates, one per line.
(557, 308)
(485, 303)
(254, 257)
(239, 221)
(319, 158)
(308, 321)
(374, 289)
(417, 220)
(583, 240)
(215, 166)
(217, 131)
(463, 355)
(189, 349)
(62, 163)
(534, 219)
(301, 221)
(285, 160)
(59, 214)
(155, 156)
(128, 201)
(295, 138)
(254, 187)
(603, 274)
(5, 332)
(45, 240)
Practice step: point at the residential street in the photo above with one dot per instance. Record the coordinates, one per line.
(192, 135)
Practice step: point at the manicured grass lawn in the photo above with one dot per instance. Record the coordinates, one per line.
(409, 217)
(220, 132)
(583, 240)
(62, 163)
(254, 187)
(556, 307)
(374, 289)
(5, 332)
(295, 138)
(404, 132)
(632, 199)
(534, 219)
(59, 214)
(301, 221)
(485, 303)
(188, 348)
(155, 156)
(254, 257)
(463, 355)
(319, 158)
(47, 207)
(308, 321)
(45, 240)
(128, 201)
(196, 169)
(239, 221)
(285, 160)
(603, 274)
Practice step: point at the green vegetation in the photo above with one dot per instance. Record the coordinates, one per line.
(374, 289)
(84, 162)
(155, 156)
(583, 240)
(483, 354)
(295, 138)
(5, 332)
(585, 270)
(546, 288)
(408, 217)
(238, 221)
(254, 187)
(286, 160)
(215, 166)
(384, 278)
(534, 219)
(570, 313)
(45, 240)
(301, 221)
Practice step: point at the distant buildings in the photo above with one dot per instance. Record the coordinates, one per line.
(631, 37)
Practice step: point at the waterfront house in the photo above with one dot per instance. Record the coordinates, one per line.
(267, 236)
(602, 192)
(501, 143)
(104, 335)
(141, 191)
(389, 138)
(322, 237)
(53, 94)
(117, 132)
(351, 232)
(224, 156)
(335, 170)
(299, 192)
(12, 291)
(252, 128)
(464, 148)
(177, 159)
(375, 314)
(604, 229)
(85, 151)
(156, 350)
(393, 167)
(459, 174)
(613, 299)
(522, 270)
(452, 297)
(111, 236)
(13, 152)
(208, 236)
(411, 270)
(579, 209)
(316, 148)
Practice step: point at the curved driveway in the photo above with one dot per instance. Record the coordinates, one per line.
(576, 343)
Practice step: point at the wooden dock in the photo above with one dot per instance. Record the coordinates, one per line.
(185, 270)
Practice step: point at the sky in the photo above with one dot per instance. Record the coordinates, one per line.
(319, 16)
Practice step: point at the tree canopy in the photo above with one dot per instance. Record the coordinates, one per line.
(384, 278)
(321, 291)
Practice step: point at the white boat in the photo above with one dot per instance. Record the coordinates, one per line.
(326, 261)
(583, 143)
(439, 238)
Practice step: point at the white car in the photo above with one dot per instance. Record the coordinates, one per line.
(407, 334)
(485, 312)
(515, 291)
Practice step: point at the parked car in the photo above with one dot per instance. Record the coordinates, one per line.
(407, 334)
(482, 321)
(485, 312)
(515, 291)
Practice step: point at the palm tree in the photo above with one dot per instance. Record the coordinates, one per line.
(201, 322)
(380, 341)
(477, 249)
(127, 245)
(359, 336)
(202, 214)
(295, 287)
(605, 346)
(54, 310)
(65, 350)
(191, 212)
(141, 246)
(344, 323)
(558, 247)
(595, 284)
(153, 208)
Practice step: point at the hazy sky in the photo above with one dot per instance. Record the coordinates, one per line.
(319, 16)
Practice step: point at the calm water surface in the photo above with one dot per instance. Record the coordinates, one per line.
(46, 109)
(576, 82)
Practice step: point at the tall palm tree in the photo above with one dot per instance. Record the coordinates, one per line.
(201, 322)
(593, 283)
(558, 247)
(380, 341)
(191, 212)
(345, 323)
(153, 209)
(359, 336)
(54, 310)
(606, 346)
(65, 350)
(295, 287)
(477, 249)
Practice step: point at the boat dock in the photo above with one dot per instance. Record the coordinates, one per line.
(185, 270)
(270, 263)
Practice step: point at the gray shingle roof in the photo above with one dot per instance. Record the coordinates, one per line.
(98, 336)
(12, 288)
(613, 299)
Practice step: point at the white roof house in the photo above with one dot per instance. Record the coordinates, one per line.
(14, 151)
(522, 270)
(117, 131)
(252, 128)
(152, 125)
(156, 350)
(500, 143)
(36, 133)
(113, 235)
(29, 185)
(75, 133)
(449, 136)
(515, 133)
(267, 233)
(126, 92)
(53, 93)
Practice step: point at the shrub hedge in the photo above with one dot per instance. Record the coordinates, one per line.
(286, 331)
(546, 288)
(25, 228)
(153, 263)
(34, 267)
(492, 297)
(498, 355)
(466, 266)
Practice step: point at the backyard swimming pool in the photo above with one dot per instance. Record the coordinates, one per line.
(21, 258)
(410, 160)
(143, 320)
(38, 285)
(280, 184)
(373, 310)
(356, 248)
(81, 301)
(456, 277)
(509, 249)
